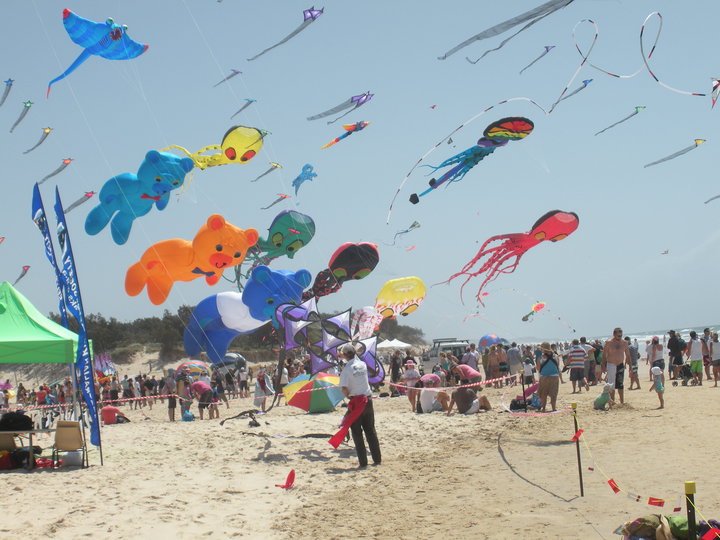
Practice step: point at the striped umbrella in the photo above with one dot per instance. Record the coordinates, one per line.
(195, 368)
(316, 393)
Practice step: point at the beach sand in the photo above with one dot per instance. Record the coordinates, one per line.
(490, 475)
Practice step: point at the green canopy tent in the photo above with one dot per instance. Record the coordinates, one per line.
(27, 336)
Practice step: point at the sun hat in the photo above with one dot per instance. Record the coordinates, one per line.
(655, 339)
(410, 362)
(545, 347)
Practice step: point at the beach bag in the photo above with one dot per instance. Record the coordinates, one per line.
(15, 420)
(187, 416)
(517, 405)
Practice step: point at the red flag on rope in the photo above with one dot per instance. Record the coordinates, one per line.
(711, 534)
(576, 437)
(613, 485)
(656, 502)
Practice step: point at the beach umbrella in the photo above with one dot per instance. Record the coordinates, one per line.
(488, 339)
(316, 393)
(195, 368)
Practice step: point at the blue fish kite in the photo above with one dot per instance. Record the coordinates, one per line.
(307, 174)
(107, 40)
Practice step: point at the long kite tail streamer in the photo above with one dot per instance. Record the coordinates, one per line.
(548, 48)
(714, 94)
(352, 104)
(8, 87)
(249, 102)
(61, 168)
(45, 132)
(309, 17)
(281, 197)
(697, 143)
(273, 167)
(23, 114)
(22, 274)
(233, 73)
(85, 198)
(530, 17)
(712, 198)
(628, 117)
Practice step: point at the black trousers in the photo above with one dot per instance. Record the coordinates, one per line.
(366, 423)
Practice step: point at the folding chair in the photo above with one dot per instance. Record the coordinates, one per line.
(69, 438)
(7, 442)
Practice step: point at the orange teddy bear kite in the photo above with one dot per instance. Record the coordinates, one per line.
(216, 246)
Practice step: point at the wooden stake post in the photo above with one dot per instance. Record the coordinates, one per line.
(690, 505)
(577, 448)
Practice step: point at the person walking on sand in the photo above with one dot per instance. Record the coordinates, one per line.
(657, 384)
(616, 354)
(548, 367)
(634, 357)
(706, 339)
(715, 357)
(169, 390)
(676, 348)
(695, 355)
(576, 362)
(655, 356)
(355, 386)
(471, 357)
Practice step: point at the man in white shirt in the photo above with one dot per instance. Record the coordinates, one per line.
(471, 357)
(695, 355)
(355, 386)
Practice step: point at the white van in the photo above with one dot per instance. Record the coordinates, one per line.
(453, 346)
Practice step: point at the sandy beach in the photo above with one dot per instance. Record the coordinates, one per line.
(491, 475)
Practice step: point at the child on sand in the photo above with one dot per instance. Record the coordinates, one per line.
(658, 385)
(604, 399)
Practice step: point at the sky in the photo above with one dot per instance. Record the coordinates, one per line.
(108, 114)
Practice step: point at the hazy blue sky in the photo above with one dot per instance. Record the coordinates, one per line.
(108, 114)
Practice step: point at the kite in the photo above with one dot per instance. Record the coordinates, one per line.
(249, 102)
(22, 274)
(628, 117)
(528, 18)
(309, 17)
(281, 197)
(306, 175)
(563, 97)
(667, 251)
(349, 130)
(353, 103)
(45, 132)
(216, 246)
(714, 94)
(697, 143)
(8, 87)
(400, 296)
(414, 225)
(85, 198)
(712, 198)
(273, 167)
(107, 40)
(537, 307)
(127, 196)
(410, 248)
(233, 73)
(433, 106)
(495, 135)
(505, 257)
(548, 48)
(23, 114)
(2, 239)
(61, 168)
(238, 140)
(349, 261)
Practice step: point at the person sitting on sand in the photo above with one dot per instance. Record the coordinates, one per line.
(657, 385)
(112, 415)
(433, 400)
(468, 402)
(604, 402)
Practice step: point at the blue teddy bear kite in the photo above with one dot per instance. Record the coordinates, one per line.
(128, 196)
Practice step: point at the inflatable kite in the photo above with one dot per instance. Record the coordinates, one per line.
(273, 167)
(233, 73)
(107, 40)
(45, 132)
(628, 117)
(218, 319)
(400, 296)
(527, 19)
(128, 196)
(247, 104)
(217, 245)
(85, 198)
(289, 232)
(281, 197)
(23, 272)
(349, 130)
(505, 257)
(353, 103)
(496, 135)
(537, 307)
(350, 261)
(61, 168)
(309, 17)
(548, 48)
(306, 175)
(239, 145)
(697, 143)
(6, 92)
(23, 114)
